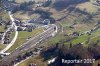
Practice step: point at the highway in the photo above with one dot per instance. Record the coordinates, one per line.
(28, 45)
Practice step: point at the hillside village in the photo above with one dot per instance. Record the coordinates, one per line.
(22, 26)
(77, 27)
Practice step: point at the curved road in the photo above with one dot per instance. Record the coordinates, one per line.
(16, 33)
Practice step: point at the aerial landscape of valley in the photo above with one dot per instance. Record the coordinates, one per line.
(49, 32)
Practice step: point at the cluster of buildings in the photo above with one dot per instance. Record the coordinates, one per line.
(7, 38)
(21, 26)
(39, 21)
(31, 24)
(5, 35)
(29, 54)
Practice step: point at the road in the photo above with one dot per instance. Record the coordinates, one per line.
(13, 25)
(28, 45)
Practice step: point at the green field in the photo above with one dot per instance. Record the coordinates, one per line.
(80, 39)
(56, 39)
(2, 46)
(80, 26)
(26, 62)
(34, 60)
(90, 8)
(96, 33)
(2, 29)
(23, 36)
(12, 35)
(5, 16)
(93, 37)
